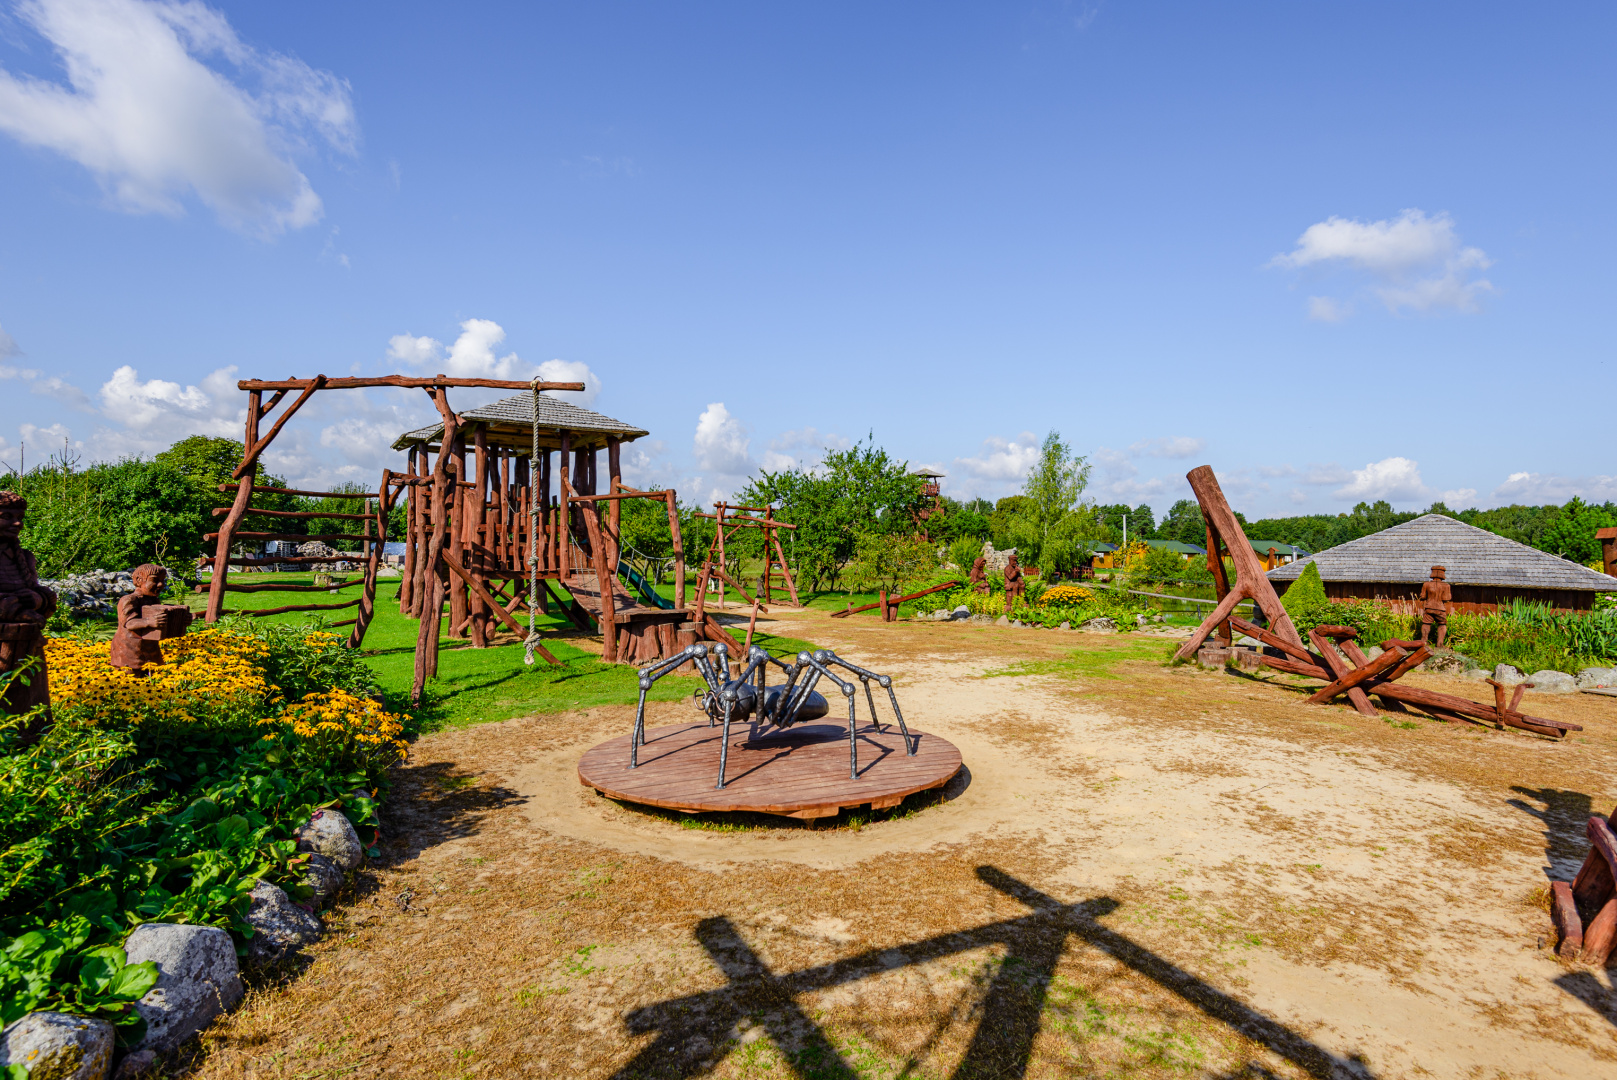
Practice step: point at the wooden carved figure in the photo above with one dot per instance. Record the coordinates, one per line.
(24, 606)
(1014, 585)
(144, 620)
(1435, 597)
(979, 575)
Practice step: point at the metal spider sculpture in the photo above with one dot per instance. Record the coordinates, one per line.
(748, 694)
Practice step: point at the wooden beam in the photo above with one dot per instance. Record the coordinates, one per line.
(495, 606)
(249, 461)
(434, 383)
(218, 510)
(1339, 668)
(311, 494)
(1358, 675)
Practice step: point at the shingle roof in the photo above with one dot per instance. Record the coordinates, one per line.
(514, 415)
(1406, 553)
(1262, 547)
(1176, 545)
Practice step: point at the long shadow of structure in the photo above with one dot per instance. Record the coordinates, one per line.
(690, 1030)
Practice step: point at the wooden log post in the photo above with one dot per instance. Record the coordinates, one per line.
(1608, 548)
(476, 537)
(562, 532)
(1221, 581)
(238, 510)
(603, 575)
(460, 519)
(679, 551)
(1339, 669)
(426, 651)
(614, 513)
(412, 519)
(373, 558)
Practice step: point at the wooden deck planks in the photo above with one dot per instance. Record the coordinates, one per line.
(802, 772)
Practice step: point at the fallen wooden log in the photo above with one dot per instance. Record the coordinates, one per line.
(1414, 695)
(1294, 667)
(895, 603)
(1339, 668)
(1358, 675)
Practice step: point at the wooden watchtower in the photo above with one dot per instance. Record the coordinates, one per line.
(485, 514)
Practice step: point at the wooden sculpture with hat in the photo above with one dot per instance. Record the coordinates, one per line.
(1435, 597)
(25, 604)
(144, 621)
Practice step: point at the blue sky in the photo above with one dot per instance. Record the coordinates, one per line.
(1338, 252)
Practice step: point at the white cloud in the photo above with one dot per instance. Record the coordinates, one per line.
(1395, 479)
(722, 444)
(50, 386)
(1538, 488)
(803, 448)
(1415, 262)
(214, 408)
(997, 470)
(145, 114)
(1179, 446)
(1324, 309)
(474, 355)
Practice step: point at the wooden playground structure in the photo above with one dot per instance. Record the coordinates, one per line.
(1331, 653)
(504, 509)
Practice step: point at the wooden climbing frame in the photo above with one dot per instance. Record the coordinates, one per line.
(1335, 656)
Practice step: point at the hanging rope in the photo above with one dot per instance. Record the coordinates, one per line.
(533, 532)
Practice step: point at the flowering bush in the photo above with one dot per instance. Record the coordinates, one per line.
(345, 730)
(1064, 596)
(213, 677)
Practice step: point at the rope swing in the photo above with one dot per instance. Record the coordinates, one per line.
(533, 534)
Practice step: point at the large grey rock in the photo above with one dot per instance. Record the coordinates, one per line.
(280, 927)
(331, 834)
(324, 877)
(140, 1063)
(1065, 626)
(1506, 675)
(1553, 682)
(962, 612)
(197, 979)
(58, 1046)
(1591, 678)
(1002, 621)
(1102, 625)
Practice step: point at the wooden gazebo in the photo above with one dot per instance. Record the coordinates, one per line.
(487, 514)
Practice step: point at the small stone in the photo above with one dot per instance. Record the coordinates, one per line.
(58, 1046)
(1102, 625)
(324, 877)
(1017, 623)
(1553, 682)
(139, 1063)
(1002, 621)
(1507, 675)
(1213, 656)
(331, 834)
(1066, 626)
(280, 927)
(197, 979)
(962, 612)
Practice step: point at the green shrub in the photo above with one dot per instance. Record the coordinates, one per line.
(965, 551)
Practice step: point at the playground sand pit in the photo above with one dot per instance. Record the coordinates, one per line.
(1142, 871)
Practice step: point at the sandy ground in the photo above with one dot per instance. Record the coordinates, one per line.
(1167, 872)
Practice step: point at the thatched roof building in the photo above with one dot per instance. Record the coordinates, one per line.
(1484, 569)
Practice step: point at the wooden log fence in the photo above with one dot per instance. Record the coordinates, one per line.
(888, 605)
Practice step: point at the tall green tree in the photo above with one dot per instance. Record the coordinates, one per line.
(851, 493)
(1052, 527)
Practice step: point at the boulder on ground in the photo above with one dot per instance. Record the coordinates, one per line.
(197, 979)
(1506, 675)
(280, 927)
(139, 1063)
(1102, 625)
(331, 834)
(325, 877)
(962, 612)
(1553, 682)
(1591, 678)
(1002, 621)
(58, 1046)
(1066, 626)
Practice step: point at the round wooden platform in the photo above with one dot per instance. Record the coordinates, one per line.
(801, 772)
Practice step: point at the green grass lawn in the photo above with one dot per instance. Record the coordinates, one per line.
(477, 685)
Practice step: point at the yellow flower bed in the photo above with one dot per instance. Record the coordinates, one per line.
(211, 669)
(336, 719)
(1064, 596)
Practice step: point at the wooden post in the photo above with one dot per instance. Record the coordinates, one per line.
(373, 557)
(426, 651)
(1221, 580)
(563, 529)
(455, 542)
(477, 536)
(679, 552)
(614, 473)
(412, 522)
(718, 535)
(603, 577)
(238, 510)
(1608, 548)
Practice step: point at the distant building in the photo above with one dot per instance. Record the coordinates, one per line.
(1485, 570)
(930, 492)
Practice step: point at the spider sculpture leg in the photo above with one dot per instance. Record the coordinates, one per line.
(729, 697)
(886, 683)
(648, 676)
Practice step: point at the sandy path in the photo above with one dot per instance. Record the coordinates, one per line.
(1166, 873)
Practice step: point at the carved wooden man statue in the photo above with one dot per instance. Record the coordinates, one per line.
(1014, 585)
(1435, 597)
(24, 606)
(144, 620)
(979, 575)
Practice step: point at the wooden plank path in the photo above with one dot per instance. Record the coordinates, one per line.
(801, 772)
(586, 589)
